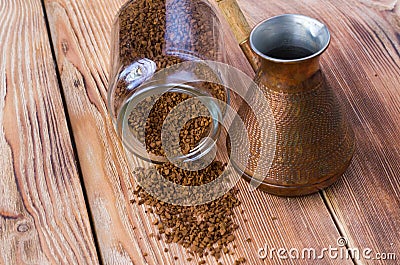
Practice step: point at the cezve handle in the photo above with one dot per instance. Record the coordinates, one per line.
(240, 28)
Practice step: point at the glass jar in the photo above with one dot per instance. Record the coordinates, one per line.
(158, 68)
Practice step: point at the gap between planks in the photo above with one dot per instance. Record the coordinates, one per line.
(73, 143)
(337, 222)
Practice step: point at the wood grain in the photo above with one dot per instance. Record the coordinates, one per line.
(43, 217)
(81, 34)
(363, 63)
(235, 18)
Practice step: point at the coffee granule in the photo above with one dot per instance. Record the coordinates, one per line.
(240, 261)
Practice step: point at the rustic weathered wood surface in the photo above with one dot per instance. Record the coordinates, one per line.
(43, 217)
(81, 35)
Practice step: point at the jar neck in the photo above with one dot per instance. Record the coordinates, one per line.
(289, 77)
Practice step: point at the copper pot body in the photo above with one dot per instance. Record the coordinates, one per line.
(314, 140)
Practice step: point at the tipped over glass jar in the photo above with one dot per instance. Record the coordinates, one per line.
(164, 101)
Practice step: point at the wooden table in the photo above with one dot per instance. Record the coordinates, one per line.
(65, 188)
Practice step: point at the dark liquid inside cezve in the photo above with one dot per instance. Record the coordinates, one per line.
(289, 53)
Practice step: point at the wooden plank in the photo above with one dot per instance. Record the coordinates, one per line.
(81, 34)
(363, 63)
(43, 217)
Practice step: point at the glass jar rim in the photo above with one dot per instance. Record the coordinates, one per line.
(150, 89)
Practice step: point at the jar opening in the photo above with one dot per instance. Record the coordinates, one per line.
(137, 109)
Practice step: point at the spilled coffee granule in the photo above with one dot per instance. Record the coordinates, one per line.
(202, 229)
(240, 261)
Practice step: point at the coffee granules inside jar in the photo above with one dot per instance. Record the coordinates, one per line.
(201, 229)
(167, 33)
(190, 134)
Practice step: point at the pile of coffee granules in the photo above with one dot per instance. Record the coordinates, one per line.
(206, 229)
